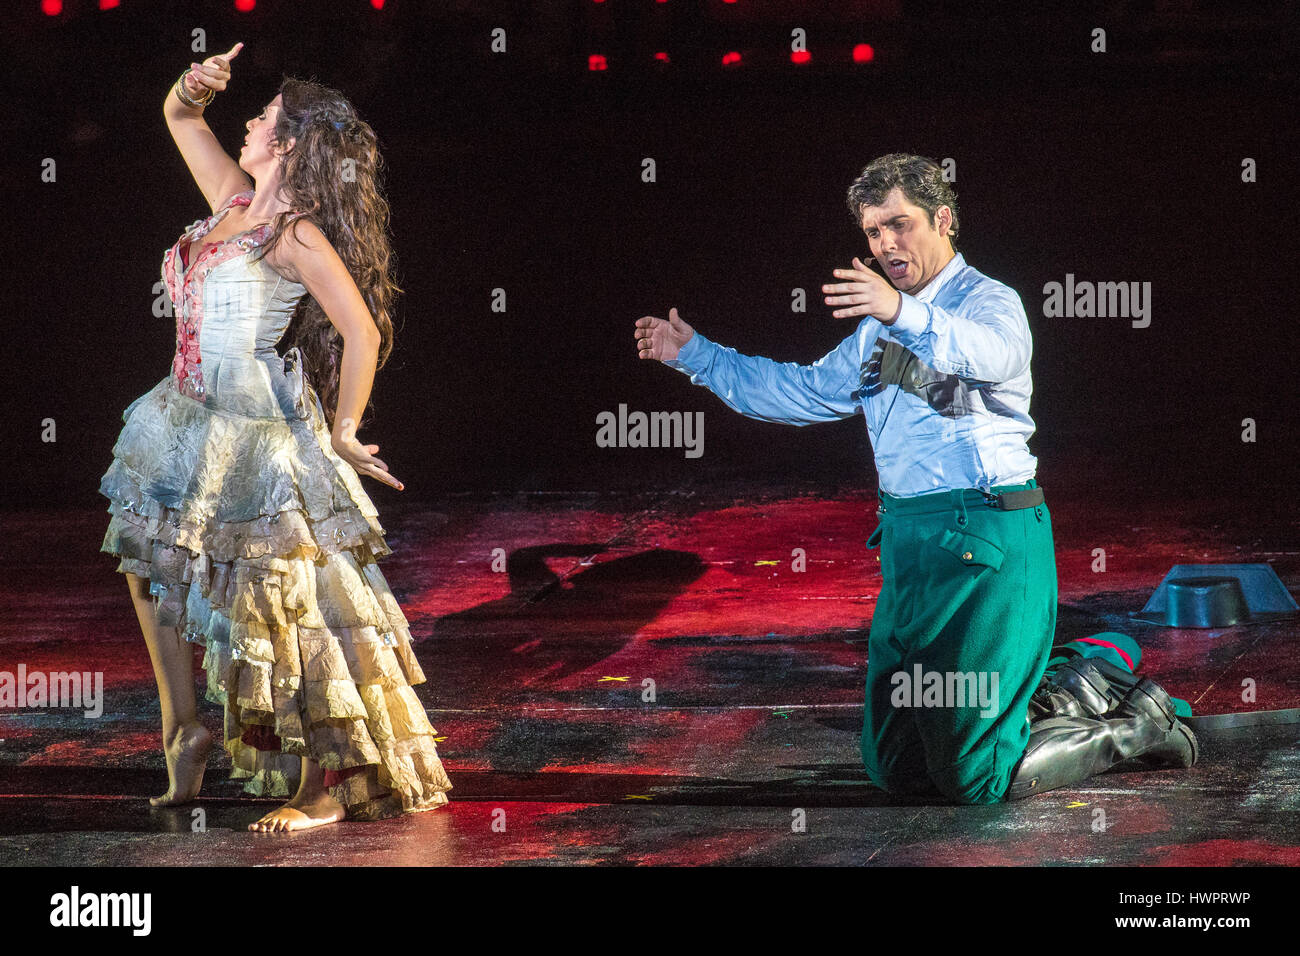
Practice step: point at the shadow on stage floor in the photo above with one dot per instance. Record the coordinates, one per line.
(649, 678)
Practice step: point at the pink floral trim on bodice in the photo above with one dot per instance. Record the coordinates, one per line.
(185, 286)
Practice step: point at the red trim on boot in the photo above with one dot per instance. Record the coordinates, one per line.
(1115, 647)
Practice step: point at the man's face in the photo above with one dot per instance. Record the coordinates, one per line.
(906, 243)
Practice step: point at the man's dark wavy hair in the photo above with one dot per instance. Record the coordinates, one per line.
(922, 181)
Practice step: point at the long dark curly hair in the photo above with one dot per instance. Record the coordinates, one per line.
(332, 176)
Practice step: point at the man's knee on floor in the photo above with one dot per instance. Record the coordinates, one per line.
(950, 784)
(979, 777)
(903, 785)
(905, 777)
(971, 785)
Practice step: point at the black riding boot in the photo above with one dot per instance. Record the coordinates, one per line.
(1119, 681)
(1052, 701)
(1076, 689)
(1089, 687)
(1067, 750)
(1180, 748)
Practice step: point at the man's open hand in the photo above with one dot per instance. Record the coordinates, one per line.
(869, 293)
(660, 339)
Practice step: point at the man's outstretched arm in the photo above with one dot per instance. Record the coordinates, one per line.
(784, 392)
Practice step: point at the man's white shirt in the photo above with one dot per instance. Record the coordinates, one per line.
(944, 391)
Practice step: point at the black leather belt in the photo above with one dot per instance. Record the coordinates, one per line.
(1015, 500)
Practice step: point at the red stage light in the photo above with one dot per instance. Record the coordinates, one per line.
(863, 53)
(109, 4)
(800, 56)
(377, 4)
(662, 58)
(596, 62)
(51, 8)
(243, 6)
(730, 59)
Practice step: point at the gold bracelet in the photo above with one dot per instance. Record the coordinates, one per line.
(183, 95)
(179, 89)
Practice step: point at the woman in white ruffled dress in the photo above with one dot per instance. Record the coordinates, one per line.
(236, 503)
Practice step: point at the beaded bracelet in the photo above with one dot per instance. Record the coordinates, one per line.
(188, 100)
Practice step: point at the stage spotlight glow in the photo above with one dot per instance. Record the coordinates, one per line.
(662, 57)
(863, 53)
(800, 56)
(730, 59)
(596, 62)
(109, 4)
(51, 8)
(243, 6)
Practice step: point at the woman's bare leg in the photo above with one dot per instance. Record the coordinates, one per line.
(186, 742)
(312, 805)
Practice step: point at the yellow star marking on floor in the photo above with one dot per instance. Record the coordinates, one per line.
(613, 678)
(1076, 803)
(760, 564)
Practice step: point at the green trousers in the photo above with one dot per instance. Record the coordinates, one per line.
(961, 635)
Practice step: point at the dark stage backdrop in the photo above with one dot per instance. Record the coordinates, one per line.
(522, 171)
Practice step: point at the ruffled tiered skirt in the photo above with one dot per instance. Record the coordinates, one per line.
(259, 543)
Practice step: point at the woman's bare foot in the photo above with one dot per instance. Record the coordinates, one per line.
(301, 813)
(187, 758)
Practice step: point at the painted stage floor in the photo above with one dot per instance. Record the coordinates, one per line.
(539, 680)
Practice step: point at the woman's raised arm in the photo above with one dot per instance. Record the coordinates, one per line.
(217, 175)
